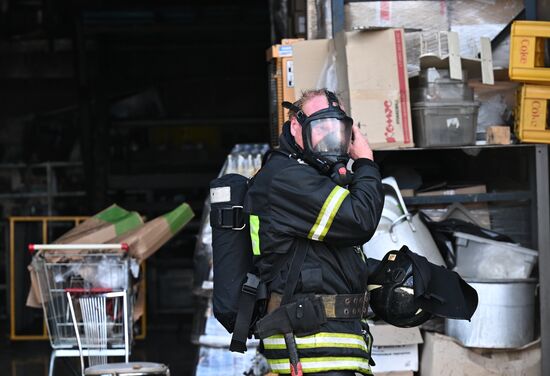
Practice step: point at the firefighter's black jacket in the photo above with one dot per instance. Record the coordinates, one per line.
(289, 199)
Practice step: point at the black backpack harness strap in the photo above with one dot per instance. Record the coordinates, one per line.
(253, 290)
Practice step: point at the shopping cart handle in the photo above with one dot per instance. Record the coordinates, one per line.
(34, 247)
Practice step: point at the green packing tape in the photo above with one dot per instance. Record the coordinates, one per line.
(122, 219)
(179, 217)
(130, 222)
(112, 214)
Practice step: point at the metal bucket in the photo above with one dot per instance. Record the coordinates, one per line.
(504, 317)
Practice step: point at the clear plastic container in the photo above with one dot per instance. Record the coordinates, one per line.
(437, 85)
(439, 76)
(444, 123)
(450, 92)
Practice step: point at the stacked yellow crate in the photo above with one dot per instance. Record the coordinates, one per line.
(527, 65)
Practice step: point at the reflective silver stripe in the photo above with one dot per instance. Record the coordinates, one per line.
(327, 213)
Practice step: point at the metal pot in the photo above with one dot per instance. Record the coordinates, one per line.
(504, 317)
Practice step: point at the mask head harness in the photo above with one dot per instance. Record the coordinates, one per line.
(326, 135)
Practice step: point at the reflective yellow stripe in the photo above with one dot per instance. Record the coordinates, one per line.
(254, 236)
(340, 340)
(323, 364)
(327, 213)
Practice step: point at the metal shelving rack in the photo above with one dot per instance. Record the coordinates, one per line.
(538, 196)
(48, 195)
(51, 192)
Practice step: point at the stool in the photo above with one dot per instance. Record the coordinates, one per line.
(128, 369)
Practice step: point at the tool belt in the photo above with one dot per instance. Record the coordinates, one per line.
(342, 306)
(306, 314)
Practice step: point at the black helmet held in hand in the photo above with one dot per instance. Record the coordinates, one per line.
(406, 290)
(391, 289)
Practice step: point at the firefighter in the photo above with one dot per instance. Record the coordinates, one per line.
(309, 217)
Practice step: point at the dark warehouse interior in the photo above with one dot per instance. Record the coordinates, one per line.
(135, 103)
(116, 118)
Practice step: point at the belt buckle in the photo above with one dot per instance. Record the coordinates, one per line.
(236, 217)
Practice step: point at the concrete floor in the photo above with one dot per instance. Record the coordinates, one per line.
(169, 345)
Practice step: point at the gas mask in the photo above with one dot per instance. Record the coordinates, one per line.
(326, 135)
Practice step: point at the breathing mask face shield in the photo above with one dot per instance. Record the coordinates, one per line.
(328, 138)
(326, 134)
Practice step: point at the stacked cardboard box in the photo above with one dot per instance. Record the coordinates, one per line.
(445, 356)
(395, 350)
(375, 94)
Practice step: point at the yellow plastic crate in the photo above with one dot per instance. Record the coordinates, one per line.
(532, 114)
(527, 52)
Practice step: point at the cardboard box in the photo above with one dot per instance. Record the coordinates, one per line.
(368, 70)
(395, 349)
(445, 356)
(498, 135)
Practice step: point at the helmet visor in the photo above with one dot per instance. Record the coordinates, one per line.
(328, 137)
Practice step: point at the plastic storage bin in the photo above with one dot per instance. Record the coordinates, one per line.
(444, 123)
(437, 85)
(527, 52)
(451, 92)
(532, 114)
(478, 257)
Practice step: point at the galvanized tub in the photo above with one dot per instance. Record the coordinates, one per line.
(504, 317)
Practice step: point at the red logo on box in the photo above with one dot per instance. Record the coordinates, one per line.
(390, 130)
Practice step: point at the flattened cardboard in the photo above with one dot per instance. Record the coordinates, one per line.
(389, 335)
(310, 58)
(100, 228)
(147, 239)
(378, 85)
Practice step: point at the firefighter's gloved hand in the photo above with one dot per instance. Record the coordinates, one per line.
(359, 147)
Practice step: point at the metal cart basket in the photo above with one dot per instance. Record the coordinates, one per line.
(83, 269)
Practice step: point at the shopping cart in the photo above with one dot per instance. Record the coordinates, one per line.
(95, 275)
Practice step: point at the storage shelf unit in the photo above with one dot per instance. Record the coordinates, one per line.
(49, 174)
(478, 197)
(537, 197)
